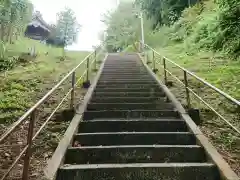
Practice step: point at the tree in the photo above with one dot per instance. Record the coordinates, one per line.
(14, 16)
(123, 26)
(164, 12)
(67, 28)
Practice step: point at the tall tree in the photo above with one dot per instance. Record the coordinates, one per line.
(123, 26)
(14, 16)
(67, 28)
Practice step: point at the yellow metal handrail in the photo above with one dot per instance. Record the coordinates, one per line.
(185, 83)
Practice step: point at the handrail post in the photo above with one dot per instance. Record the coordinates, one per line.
(87, 84)
(147, 58)
(187, 90)
(165, 71)
(28, 154)
(87, 79)
(73, 89)
(95, 60)
(154, 63)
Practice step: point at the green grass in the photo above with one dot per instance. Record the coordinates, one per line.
(22, 86)
(213, 67)
(219, 71)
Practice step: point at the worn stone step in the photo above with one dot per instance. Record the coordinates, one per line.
(128, 94)
(119, 74)
(127, 81)
(135, 154)
(131, 78)
(133, 125)
(124, 76)
(134, 138)
(123, 63)
(128, 106)
(140, 86)
(115, 71)
(146, 171)
(90, 115)
(128, 100)
(146, 89)
(123, 67)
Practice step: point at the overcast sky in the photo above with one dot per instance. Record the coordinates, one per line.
(89, 15)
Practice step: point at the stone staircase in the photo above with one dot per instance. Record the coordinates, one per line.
(131, 131)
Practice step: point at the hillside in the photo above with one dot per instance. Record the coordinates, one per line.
(21, 86)
(194, 42)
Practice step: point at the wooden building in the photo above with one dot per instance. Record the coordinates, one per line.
(37, 29)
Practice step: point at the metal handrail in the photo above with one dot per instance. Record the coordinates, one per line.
(32, 113)
(189, 90)
(198, 78)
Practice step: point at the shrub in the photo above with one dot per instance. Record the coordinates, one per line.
(7, 63)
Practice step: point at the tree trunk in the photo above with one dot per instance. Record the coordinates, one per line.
(9, 37)
(2, 31)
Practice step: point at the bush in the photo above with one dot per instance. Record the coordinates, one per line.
(229, 22)
(7, 63)
(215, 27)
(130, 48)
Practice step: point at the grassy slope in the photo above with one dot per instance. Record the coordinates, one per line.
(222, 73)
(213, 67)
(22, 86)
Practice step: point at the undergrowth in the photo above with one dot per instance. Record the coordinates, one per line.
(206, 26)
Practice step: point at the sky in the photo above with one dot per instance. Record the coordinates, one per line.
(88, 12)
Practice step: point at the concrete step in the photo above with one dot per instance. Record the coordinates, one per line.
(90, 115)
(128, 100)
(124, 67)
(124, 76)
(138, 125)
(112, 82)
(139, 86)
(135, 138)
(129, 65)
(148, 171)
(128, 94)
(126, 79)
(135, 154)
(128, 106)
(156, 89)
(113, 71)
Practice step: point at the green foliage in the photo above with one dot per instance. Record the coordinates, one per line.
(123, 26)
(130, 48)
(229, 23)
(7, 63)
(209, 26)
(67, 27)
(164, 12)
(14, 15)
(22, 86)
(2, 50)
